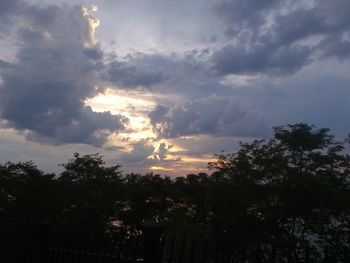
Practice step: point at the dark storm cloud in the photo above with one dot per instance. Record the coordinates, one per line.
(9, 6)
(56, 69)
(240, 14)
(336, 46)
(85, 129)
(8, 9)
(278, 42)
(266, 37)
(288, 17)
(260, 59)
(158, 114)
(272, 37)
(93, 53)
(128, 75)
(296, 25)
(236, 10)
(211, 115)
(160, 72)
(141, 150)
(4, 64)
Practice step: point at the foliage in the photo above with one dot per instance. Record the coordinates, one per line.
(288, 195)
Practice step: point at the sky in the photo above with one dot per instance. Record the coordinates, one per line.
(162, 85)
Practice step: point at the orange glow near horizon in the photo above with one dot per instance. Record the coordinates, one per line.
(130, 105)
(159, 168)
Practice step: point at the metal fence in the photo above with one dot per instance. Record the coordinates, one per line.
(152, 246)
(70, 247)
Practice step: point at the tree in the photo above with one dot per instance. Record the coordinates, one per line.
(90, 168)
(92, 192)
(28, 198)
(286, 198)
(293, 186)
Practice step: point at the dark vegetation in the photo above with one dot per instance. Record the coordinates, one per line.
(284, 199)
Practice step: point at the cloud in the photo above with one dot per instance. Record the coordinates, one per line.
(129, 75)
(140, 152)
(165, 48)
(9, 6)
(317, 95)
(266, 38)
(158, 114)
(161, 73)
(213, 115)
(240, 14)
(273, 37)
(8, 10)
(145, 154)
(335, 12)
(162, 153)
(150, 69)
(56, 68)
(268, 59)
(336, 45)
(296, 25)
(263, 37)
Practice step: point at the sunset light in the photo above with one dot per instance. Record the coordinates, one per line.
(188, 131)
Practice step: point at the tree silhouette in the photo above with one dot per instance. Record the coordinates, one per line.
(286, 197)
(91, 195)
(294, 187)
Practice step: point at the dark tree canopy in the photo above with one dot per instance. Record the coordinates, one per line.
(289, 194)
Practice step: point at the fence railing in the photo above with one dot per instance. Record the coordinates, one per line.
(153, 246)
(70, 247)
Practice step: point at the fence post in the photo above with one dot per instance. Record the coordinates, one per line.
(307, 254)
(151, 233)
(42, 242)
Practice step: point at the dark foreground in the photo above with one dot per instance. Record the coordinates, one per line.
(283, 200)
